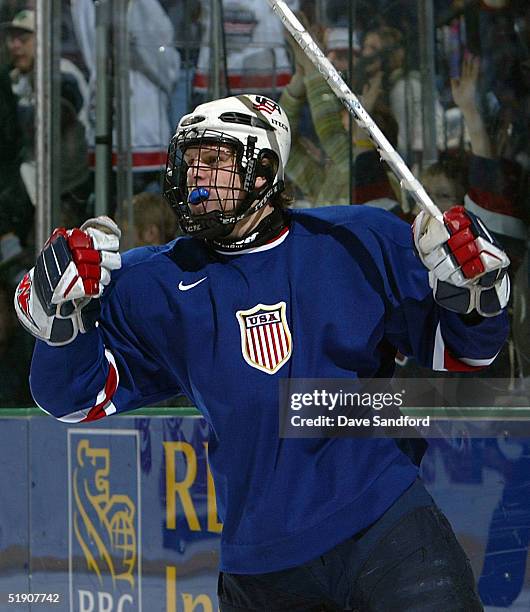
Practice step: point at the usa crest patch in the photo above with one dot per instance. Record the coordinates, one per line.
(265, 337)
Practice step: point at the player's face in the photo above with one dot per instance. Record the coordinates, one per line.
(215, 168)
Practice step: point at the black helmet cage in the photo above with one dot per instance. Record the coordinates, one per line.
(218, 223)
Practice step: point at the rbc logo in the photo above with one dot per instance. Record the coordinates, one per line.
(104, 522)
(104, 602)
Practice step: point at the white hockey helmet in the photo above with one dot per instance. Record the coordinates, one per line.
(255, 128)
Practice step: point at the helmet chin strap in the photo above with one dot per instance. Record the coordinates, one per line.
(214, 226)
(247, 206)
(263, 232)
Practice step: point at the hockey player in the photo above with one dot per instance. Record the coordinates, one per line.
(255, 293)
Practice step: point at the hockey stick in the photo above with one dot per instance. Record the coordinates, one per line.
(387, 152)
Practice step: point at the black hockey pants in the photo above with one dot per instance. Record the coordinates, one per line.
(412, 564)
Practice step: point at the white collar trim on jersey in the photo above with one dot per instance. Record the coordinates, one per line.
(264, 247)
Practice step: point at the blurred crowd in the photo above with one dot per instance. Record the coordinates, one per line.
(183, 52)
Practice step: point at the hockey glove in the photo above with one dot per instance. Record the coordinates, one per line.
(467, 266)
(57, 298)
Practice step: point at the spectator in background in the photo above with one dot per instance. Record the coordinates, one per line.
(16, 211)
(446, 180)
(338, 50)
(485, 192)
(153, 222)
(493, 199)
(488, 193)
(504, 42)
(185, 15)
(329, 184)
(15, 353)
(9, 7)
(256, 58)
(154, 72)
(505, 49)
(384, 50)
(74, 175)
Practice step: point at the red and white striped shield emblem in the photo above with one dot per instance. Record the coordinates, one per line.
(265, 337)
(265, 105)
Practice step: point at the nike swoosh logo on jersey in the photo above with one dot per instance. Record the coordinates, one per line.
(184, 287)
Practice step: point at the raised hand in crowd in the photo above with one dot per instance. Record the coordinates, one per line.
(464, 90)
(371, 92)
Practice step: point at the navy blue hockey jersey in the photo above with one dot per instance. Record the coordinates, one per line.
(337, 288)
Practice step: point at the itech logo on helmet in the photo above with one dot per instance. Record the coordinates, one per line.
(266, 105)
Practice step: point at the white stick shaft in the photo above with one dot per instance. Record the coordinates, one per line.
(387, 152)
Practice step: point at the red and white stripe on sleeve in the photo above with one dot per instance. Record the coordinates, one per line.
(444, 361)
(103, 405)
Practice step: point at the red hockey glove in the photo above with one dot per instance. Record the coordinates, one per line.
(55, 300)
(467, 266)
